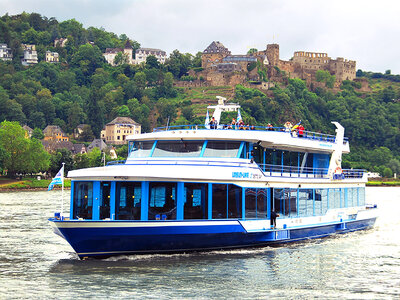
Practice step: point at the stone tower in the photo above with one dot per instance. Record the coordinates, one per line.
(128, 50)
(273, 54)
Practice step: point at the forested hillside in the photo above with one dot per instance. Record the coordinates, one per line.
(84, 89)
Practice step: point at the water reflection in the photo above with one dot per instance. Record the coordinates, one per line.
(35, 263)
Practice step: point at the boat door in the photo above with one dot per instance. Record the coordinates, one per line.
(258, 154)
(105, 188)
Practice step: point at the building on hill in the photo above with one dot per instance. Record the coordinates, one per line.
(60, 42)
(54, 133)
(30, 55)
(28, 131)
(116, 131)
(80, 129)
(111, 53)
(304, 65)
(214, 54)
(52, 146)
(52, 57)
(97, 143)
(220, 67)
(5, 53)
(141, 55)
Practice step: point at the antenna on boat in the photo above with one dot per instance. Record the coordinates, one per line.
(167, 124)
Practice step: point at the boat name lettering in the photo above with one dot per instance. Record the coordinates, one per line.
(325, 145)
(240, 175)
(245, 175)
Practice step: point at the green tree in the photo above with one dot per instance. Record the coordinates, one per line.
(4, 157)
(81, 161)
(121, 59)
(166, 110)
(10, 109)
(152, 62)
(59, 157)
(13, 141)
(25, 155)
(86, 134)
(88, 58)
(37, 134)
(251, 51)
(38, 159)
(95, 157)
(30, 36)
(187, 113)
(387, 173)
(394, 165)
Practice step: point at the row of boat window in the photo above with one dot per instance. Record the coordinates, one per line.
(182, 148)
(178, 201)
(227, 149)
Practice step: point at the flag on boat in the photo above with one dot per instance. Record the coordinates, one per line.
(207, 121)
(239, 116)
(58, 179)
(207, 118)
(296, 126)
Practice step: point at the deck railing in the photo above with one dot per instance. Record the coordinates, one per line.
(306, 134)
(282, 171)
(307, 172)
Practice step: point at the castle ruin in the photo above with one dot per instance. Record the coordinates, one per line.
(220, 67)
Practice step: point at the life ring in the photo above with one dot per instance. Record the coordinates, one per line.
(338, 170)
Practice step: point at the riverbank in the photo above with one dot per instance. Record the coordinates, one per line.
(383, 183)
(29, 184)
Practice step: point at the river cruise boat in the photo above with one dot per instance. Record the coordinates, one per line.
(194, 188)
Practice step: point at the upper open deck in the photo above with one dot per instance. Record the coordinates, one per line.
(274, 137)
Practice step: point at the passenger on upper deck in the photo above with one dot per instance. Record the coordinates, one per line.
(300, 130)
(233, 124)
(270, 127)
(213, 123)
(288, 126)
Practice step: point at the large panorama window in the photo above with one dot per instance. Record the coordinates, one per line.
(181, 148)
(178, 148)
(141, 149)
(221, 149)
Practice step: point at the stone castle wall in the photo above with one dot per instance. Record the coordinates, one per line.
(302, 65)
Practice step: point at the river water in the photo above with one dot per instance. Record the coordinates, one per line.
(37, 264)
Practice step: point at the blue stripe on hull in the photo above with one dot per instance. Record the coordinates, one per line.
(103, 241)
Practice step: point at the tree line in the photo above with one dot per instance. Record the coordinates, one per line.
(84, 89)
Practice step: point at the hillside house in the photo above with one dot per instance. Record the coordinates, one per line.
(60, 42)
(54, 133)
(141, 55)
(5, 53)
(52, 57)
(28, 131)
(116, 131)
(111, 53)
(30, 55)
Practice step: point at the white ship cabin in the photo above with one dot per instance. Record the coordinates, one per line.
(193, 172)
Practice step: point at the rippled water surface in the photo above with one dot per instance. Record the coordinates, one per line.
(37, 264)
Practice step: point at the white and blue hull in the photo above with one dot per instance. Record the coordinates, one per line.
(108, 238)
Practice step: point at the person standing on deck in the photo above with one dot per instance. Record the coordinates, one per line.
(274, 215)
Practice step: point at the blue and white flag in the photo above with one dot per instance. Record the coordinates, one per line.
(239, 116)
(58, 179)
(207, 119)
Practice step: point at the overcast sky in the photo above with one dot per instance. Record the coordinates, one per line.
(366, 31)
